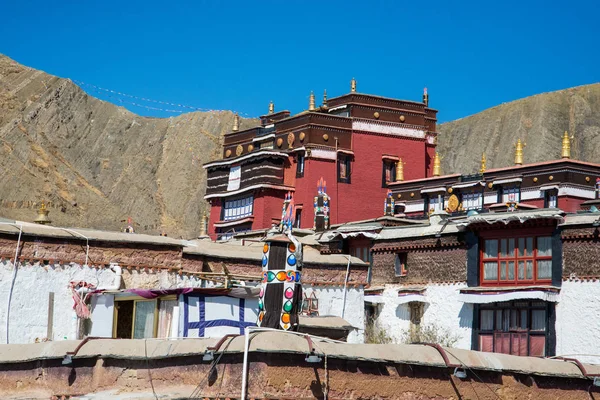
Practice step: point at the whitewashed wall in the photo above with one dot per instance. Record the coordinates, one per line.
(443, 309)
(29, 307)
(578, 321)
(331, 300)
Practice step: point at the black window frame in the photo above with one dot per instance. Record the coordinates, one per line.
(347, 160)
(547, 195)
(388, 164)
(300, 164)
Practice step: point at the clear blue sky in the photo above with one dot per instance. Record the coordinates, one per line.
(238, 55)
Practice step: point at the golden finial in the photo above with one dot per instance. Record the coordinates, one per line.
(353, 85)
(483, 164)
(437, 165)
(236, 123)
(325, 98)
(425, 97)
(399, 170)
(519, 152)
(311, 101)
(42, 217)
(566, 145)
(271, 107)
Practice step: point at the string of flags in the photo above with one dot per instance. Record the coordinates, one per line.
(118, 96)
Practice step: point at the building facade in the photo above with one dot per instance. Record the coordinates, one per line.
(353, 143)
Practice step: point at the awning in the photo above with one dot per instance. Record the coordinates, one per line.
(409, 298)
(485, 295)
(388, 157)
(509, 180)
(434, 190)
(374, 299)
(549, 187)
(467, 184)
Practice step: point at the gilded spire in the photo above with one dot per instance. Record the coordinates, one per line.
(566, 145)
(42, 217)
(437, 165)
(519, 152)
(425, 97)
(236, 123)
(311, 101)
(399, 170)
(353, 85)
(483, 164)
(325, 98)
(271, 107)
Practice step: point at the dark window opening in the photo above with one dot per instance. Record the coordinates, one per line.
(511, 193)
(551, 199)
(344, 171)
(300, 165)
(298, 219)
(388, 173)
(400, 265)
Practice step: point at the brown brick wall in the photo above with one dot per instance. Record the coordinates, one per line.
(581, 257)
(423, 265)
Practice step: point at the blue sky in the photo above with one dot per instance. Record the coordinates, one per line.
(239, 55)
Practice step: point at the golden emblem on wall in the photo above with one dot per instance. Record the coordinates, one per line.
(376, 114)
(279, 142)
(453, 203)
(250, 147)
(227, 153)
(325, 137)
(302, 136)
(402, 118)
(290, 140)
(239, 150)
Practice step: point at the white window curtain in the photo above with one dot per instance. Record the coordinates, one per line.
(165, 318)
(143, 324)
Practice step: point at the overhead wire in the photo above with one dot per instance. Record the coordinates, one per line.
(473, 372)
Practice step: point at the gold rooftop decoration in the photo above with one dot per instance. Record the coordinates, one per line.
(42, 217)
(311, 101)
(325, 98)
(566, 145)
(483, 164)
(353, 85)
(519, 152)
(425, 97)
(271, 107)
(437, 165)
(236, 123)
(400, 170)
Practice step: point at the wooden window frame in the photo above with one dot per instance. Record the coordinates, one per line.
(300, 165)
(137, 299)
(528, 233)
(400, 258)
(517, 307)
(347, 160)
(391, 165)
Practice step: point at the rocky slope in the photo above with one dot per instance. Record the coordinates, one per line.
(539, 120)
(98, 164)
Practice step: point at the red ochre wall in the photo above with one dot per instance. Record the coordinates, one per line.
(570, 204)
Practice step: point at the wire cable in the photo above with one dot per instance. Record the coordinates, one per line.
(477, 376)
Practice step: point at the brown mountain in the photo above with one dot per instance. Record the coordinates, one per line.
(97, 163)
(539, 120)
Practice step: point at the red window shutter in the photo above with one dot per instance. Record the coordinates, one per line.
(518, 344)
(486, 343)
(502, 344)
(537, 346)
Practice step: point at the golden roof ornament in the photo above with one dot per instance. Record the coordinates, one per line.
(425, 97)
(353, 85)
(483, 164)
(42, 217)
(271, 107)
(311, 101)
(437, 165)
(236, 123)
(519, 152)
(325, 98)
(399, 170)
(566, 145)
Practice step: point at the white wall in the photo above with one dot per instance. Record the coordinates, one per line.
(443, 309)
(331, 300)
(578, 321)
(29, 307)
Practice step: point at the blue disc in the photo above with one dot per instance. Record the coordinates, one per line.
(291, 259)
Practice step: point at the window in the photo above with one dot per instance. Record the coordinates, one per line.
(389, 172)
(229, 232)
(143, 318)
(518, 260)
(518, 328)
(266, 145)
(364, 253)
(511, 193)
(237, 208)
(400, 264)
(434, 203)
(472, 201)
(298, 219)
(551, 199)
(300, 165)
(344, 171)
